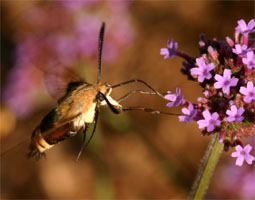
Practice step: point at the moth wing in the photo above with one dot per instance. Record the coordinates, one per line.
(57, 80)
(52, 128)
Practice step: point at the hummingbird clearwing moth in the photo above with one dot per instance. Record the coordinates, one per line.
(78, 106)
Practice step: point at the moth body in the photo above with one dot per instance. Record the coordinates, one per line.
(74, 111)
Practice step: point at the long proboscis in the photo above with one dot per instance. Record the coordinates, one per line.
(100, 48)
(150, 110)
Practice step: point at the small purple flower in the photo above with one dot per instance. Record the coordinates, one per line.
(240, 50)
(243, 28)
(189, 114)
(249, 60)
(175, 98)
(209, 121)
(248, 91)
(243, 154)
(203, 70)
(234, 114)
(170, 51)
(225, 81)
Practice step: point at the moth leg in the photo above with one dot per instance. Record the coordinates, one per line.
(134, 92)
(36, 154)
(83, 141)
(98, 99)
(138, 81)
(95, 120)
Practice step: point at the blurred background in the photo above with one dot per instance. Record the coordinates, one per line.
(133, 155)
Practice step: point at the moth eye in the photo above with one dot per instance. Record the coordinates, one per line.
(99, 97)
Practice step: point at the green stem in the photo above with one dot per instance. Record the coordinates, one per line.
(207, 167)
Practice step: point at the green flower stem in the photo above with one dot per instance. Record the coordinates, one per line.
(207, 167)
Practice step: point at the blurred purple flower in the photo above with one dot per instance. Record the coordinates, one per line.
(209, 121)
(77, 4)
(176, 99)
(203, 70)
(247, 189)
(243, 154)
(248, 91)
(246, 28)
(240, 50)
(225, 81)
(85, 29)
(249, 60)
(235, 114)
(64, 48)
(66, 34)
(242, 181)
(170, 51)
(19, 95)
(189, 114)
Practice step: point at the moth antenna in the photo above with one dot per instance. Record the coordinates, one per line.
(100, 48)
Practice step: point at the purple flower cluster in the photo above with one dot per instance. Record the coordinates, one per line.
(226, 72)
(65, 35)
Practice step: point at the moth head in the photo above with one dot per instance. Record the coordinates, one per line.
(105, 88)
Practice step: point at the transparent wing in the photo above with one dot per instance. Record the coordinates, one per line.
(58, 78)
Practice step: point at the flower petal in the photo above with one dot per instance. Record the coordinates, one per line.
(207, 115)
(226, 90)
(215, 116)
(186, 111)
(202, 124)
(200, 62)
(227, 73)
(218, 85)
(195, 71)
(249, 158)
(239, 148)
(247, 148)
(210, 127)
(235, 154)
(218, 77)
(210, 66)
(250, 85)
(170, 97)
(240, 111)
(201, 78)
(233, 81)
(243, 90)
(239, 160)
(234, 110)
